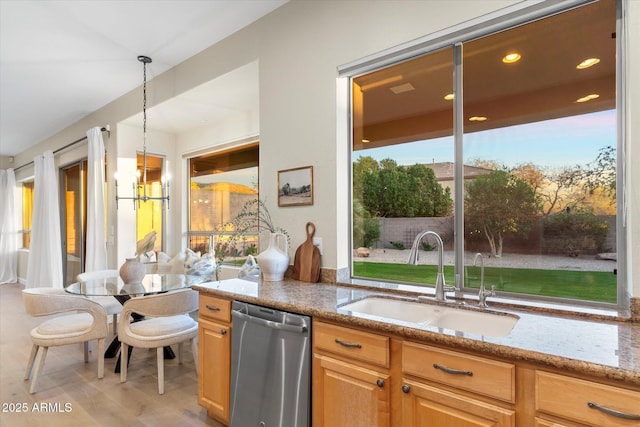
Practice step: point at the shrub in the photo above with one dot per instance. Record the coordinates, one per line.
(574, 233)
(397, 245)
(366, 230)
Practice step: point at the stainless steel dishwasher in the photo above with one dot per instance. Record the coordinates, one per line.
(270, 367)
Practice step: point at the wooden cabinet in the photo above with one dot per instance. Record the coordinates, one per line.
(424, 404)
(479, 375)
(427, 369)
(366, 378)
(351, 381)
(214, 356)
(357, 383)
(586, 402)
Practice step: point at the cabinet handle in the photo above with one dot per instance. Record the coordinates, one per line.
(380, 382)
(348, 344)
(406, 388)
(613, 412)
(223, 332)
(212, 308)
(452, 371)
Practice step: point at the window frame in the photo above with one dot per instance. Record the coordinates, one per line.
(500, 20)
(240, 145)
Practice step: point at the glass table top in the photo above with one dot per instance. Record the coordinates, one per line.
(151, 284)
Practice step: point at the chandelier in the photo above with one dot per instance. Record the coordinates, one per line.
(140, 186)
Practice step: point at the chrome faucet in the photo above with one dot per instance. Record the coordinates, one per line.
(441, 288)
(483, 294)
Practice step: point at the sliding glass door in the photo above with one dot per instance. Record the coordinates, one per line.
(73, 214)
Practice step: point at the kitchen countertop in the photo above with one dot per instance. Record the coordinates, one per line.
(600, 348)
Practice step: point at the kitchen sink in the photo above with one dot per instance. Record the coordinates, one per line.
(461, 319)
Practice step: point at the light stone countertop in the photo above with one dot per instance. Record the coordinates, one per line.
(600, 348)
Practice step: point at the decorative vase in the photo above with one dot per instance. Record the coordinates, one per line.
(132, 271)
(274, 260)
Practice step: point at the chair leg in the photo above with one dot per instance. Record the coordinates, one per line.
(115, 324)
(42, 354)
(160, 357)
(86, 351)
(101, 358)
(124, 361)
(32, 358)
(194, 350)
(180, 353)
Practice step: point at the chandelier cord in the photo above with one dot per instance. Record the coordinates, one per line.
(139, 187)
(144, 123)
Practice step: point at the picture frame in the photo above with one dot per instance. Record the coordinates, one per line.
(295, 186)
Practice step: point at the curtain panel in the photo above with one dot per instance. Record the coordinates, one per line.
(45, 253)
(8, 229)
(96, 254)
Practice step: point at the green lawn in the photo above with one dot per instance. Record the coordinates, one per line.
(583, 285)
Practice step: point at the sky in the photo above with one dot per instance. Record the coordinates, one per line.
(552, 143)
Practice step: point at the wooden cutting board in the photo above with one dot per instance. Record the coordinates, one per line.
(306, 264)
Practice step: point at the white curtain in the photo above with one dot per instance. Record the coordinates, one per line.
(8, 229)
(45, 252)
(96, 256)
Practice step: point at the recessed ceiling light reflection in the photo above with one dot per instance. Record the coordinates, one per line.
(449, 97)
(365, 141)
(587, 63)
(477, 119)
(511, 58)
(588, 97)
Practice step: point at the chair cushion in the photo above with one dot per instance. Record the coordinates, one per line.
(71, 324)
(163, 327)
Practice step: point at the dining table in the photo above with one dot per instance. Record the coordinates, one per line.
(151, 284)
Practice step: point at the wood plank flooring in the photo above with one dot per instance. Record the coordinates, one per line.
(70, 393)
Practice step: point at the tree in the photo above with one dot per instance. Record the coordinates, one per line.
(498, 204)
(363, 168)
(601, 173)
(562, 190)
(428, 197)
(387, 189)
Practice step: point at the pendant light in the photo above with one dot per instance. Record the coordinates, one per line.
(140, 187)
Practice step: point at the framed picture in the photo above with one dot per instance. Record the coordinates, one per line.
(295, 186)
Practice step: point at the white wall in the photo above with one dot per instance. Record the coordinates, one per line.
(298, 47)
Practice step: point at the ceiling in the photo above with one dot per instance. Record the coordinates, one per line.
(62, 60)
(406, 102)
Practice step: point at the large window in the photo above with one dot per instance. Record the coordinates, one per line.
(220, 184)
(150, 214)
(519, 165)
(27, 212)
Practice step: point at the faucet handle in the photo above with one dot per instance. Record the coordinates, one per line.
(482, 296)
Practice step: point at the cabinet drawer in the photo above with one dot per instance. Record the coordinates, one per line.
(358, 345)
(215, 308)
(574, 399)
(479, 375)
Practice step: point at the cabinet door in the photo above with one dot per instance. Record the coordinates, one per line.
(586, 402)
(345, 394)
(214, 364)
(540, 422)
(424, 405)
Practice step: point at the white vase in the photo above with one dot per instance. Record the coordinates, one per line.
(132, 271)
(274, 260)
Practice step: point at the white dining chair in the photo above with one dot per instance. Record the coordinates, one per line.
(167, 323)
(86, 321)
(111, 305)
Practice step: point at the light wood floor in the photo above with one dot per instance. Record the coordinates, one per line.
(67, 382)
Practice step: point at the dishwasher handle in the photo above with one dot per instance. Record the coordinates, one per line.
(269, 323)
